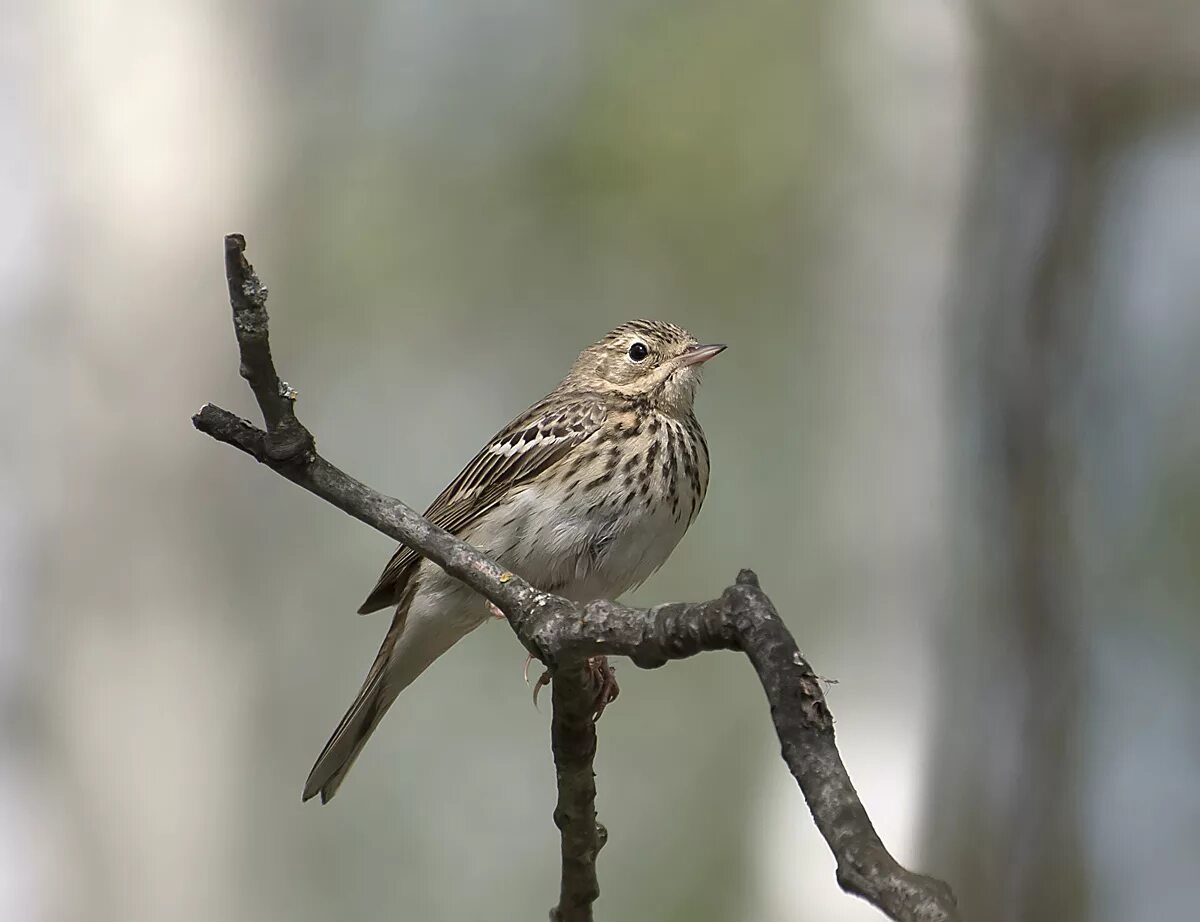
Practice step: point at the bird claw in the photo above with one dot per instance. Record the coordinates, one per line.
(542, 682)
(495, 612)
(603, 676)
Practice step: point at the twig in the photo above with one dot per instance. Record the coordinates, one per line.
(286, 438)
(562, 635)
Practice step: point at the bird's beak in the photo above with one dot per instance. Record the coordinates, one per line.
(698, 354)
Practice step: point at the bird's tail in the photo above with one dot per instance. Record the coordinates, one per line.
(348, 740)
(407, 651)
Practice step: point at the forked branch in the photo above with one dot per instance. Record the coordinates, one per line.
(563, 635)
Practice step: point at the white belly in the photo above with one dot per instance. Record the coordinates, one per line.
(576, 551)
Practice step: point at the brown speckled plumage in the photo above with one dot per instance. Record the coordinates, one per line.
(584, 494)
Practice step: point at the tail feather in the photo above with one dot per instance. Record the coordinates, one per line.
(344, 746)
(374, 698)
(407, 651)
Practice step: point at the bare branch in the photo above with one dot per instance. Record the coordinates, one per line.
(396, 520)
(248, 298)
(562, 635)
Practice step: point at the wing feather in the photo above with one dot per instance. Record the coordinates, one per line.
(520, 452)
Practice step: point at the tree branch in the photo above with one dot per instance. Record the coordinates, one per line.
(573, 741)
(562, 635)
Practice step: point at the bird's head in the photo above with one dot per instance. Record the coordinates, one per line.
(645, 360)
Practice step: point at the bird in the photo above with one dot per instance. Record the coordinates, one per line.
(584, 495)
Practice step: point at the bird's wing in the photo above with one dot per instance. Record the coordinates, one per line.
(528, 446)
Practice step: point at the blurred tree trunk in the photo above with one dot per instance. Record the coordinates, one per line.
(143, 679)
(21, 236)
(1006, 804)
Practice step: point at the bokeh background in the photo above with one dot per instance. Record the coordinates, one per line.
(955, 249)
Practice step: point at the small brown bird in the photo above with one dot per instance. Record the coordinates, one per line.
(585, 494)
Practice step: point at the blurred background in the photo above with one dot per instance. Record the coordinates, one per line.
(955, 250)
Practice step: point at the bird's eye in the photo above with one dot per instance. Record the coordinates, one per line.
(638, 351)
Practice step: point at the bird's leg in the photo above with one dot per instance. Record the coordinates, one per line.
(603, 676)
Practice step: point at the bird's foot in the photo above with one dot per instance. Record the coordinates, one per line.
(603, 676)
(497, 613)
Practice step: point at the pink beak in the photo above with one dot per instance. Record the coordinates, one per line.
(699, 354)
